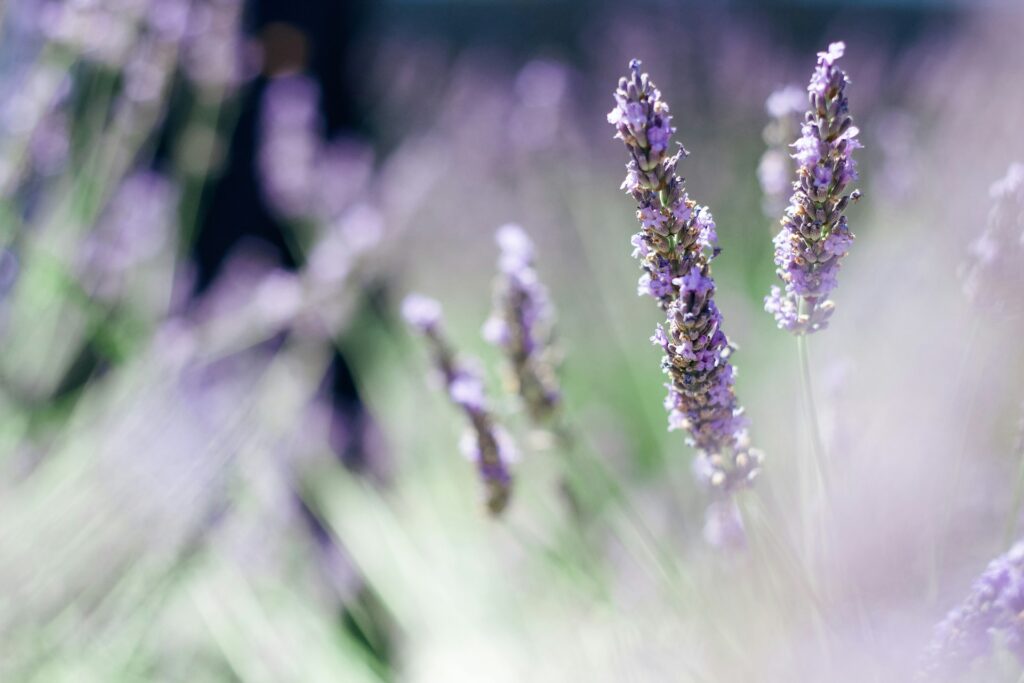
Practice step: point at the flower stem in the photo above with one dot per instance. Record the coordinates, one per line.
(820, 452)
(812, 474)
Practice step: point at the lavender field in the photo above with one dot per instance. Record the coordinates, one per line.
(494, 341)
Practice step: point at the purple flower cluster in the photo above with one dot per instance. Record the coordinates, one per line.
(814, 236)
(994, 275)
(673, 226)
(521, 324)
(676, 244)
(486, 444)
(993, 608)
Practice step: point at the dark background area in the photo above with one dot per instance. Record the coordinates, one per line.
(328, 38)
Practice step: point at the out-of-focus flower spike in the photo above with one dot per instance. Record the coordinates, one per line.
(676, 243)
(521, 324)
(994, 273)
(485, 443)
(289, 141)
(992, 608)
(815, 236)
(785, 106)
(304, 176)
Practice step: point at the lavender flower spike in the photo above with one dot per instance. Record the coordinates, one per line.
(521, 324)
(814, 236)
(993, 607)
(676, 244)
(994, 275)
(485, 443)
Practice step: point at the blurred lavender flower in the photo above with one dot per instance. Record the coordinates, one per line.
(302, 175)
(343, 169)
(51, 143)
(215, 55)
(535, 122)
(103, 31)
(344, 243)
(169, 19)
(486, 444)
(147, 74)
(896, 133)
(814, 235)
(521, 324)
(289, 125)
(994, 274)
(676, 244)
(33, 125)
(137, 222)
(784, 106)
(994, 607)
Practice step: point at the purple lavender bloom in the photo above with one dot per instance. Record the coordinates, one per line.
(814, 235)
(993, 274)
(521, 324)
(676, 243)
(485, 443)
(993, 608)
(667, 227)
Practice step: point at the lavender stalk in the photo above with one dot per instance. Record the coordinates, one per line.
(814, 236)
(994, 275)
(675, 245)
(993, 278)
(485, 443)
(992, 608)
(521, 325)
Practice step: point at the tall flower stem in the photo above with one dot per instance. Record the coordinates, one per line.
(820, 452)
(812, 475)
